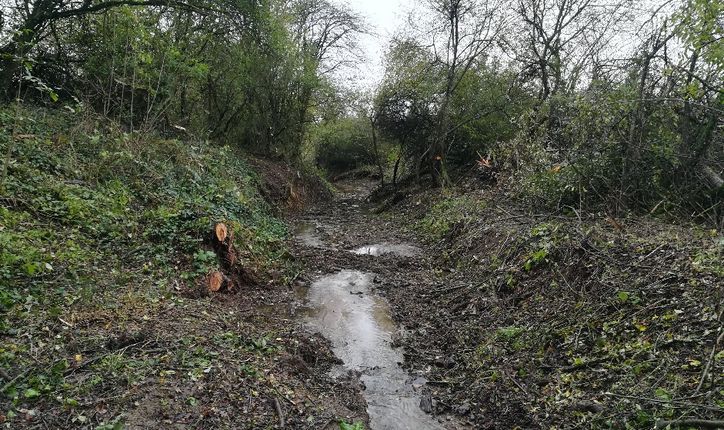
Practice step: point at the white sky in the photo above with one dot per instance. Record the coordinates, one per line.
(384, 17)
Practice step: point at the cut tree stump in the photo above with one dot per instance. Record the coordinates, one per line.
(230, 275)
(217, 281)
(222, 232)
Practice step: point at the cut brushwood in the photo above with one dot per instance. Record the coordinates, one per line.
(687, 423)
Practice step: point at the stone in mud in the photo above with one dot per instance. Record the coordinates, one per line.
(463, 409)
(427, 403)
(587, 406)
(446, 362)
(418, 383)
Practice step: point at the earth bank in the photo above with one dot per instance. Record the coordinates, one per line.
(519, 319)
(105, 319)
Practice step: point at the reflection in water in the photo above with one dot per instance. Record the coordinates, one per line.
(388, 248)
(360, 328)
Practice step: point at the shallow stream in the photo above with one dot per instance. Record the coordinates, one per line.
(358, 323)
(343, 308)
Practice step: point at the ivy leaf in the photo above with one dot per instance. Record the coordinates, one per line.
(623, 296)
(356, 426)
(662, 394)
(31, 393)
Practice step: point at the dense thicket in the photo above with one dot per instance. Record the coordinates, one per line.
(576, 102)
(236, 71)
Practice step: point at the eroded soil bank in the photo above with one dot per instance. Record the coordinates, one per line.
(507, 318)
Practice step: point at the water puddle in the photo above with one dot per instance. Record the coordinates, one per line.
(388, 248)
(360, 328)
(306, 232)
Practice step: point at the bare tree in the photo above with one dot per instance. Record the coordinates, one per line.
(637, 127)
(563, 34)
(326, 35)
(465, 31)
(327, 32)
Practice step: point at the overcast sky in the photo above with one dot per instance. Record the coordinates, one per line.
(385, 17)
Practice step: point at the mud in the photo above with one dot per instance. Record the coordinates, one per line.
(345, 304)
(402, 250)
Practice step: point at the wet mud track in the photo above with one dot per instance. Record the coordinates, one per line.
(349, 255)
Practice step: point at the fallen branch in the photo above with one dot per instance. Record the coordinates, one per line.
(705, 373)
(121, 351)
(12, 381)
(278, 407)
(517, 384)
(672, 403)
(444, 290)
(702, 424)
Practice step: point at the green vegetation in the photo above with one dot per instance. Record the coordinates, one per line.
(82, 198)
(343, 145)
(356, 426)
(547, 304)
(241, 73)
(445, 214)
(101, 225)
(562, 119)
(535, 136)
(126, 129)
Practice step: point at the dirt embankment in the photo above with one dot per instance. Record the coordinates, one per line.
(529, 320)
(289, 189)
(545, 320)
(143, 345)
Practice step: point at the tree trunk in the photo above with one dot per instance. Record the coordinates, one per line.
(377, 152)
(394, 172)
(438, 150)
(631, 151)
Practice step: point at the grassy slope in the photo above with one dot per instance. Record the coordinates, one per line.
(556, 322)
(103, 315)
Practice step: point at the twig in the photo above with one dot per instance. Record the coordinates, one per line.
(672, 403)
(444, 290)
(653, 252)
(12, 381)
(706, 424)
(441, 382)
(278, 407)
(565, 281)
(517, 384)
(95, 359)
(65, 322)
(711, 359)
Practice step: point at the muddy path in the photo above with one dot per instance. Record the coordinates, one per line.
(351, 258)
